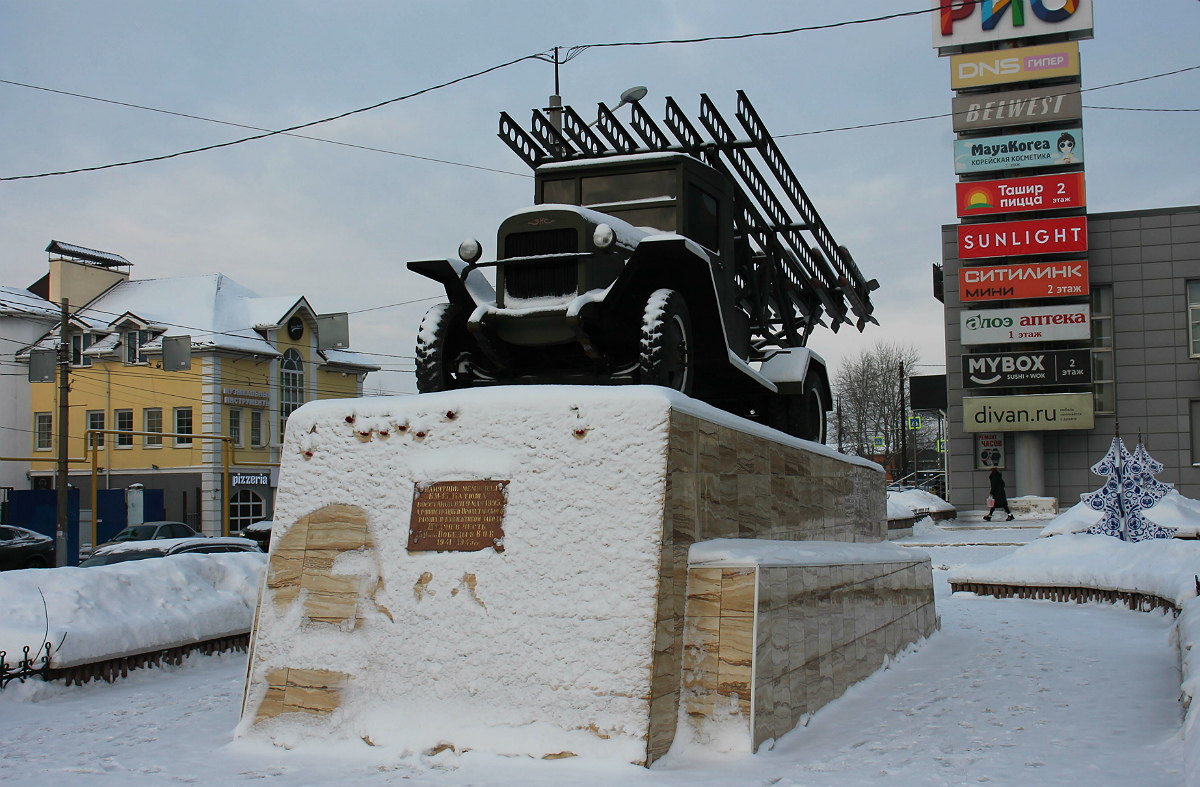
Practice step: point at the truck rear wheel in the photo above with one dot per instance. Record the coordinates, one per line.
(437, 349)
(666, 347)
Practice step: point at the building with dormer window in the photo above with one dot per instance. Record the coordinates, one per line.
(254, 361)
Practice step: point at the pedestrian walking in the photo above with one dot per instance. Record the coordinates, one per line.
(997, 497)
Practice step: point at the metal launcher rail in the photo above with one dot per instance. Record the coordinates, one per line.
(796, 273)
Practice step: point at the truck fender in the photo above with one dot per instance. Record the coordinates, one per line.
(676, 263)
(789, 369)
(469, 291)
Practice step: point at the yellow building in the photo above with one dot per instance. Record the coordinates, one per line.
(254, 360)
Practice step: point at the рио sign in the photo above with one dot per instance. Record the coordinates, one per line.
(958, 22)
(1017, 151)
(1013, 195)
(1013, 370)
(1036, 324)
(1033, 413)
(1042, 236)
(1033, 280)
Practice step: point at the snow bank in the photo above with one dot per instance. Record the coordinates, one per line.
(915, 499)
(134, 607)
(1187, 632)
(897, 511)
(1162, 567)
(755, 552)
(1173, 510)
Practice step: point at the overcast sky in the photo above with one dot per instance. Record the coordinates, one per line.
(290, 216)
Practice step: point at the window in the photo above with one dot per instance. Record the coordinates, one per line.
(183, 425)
(133, 346)
(703, 224)
(235, 427)
(291, 386)
(95, 420)
(153, 423)
(1194, 416)
(124, 420)
(79, 343)
(43, 425)
(1193, 308)
(1103, 376)
(245, 508)
(256, 432)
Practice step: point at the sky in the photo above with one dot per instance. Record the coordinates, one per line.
(289, 216)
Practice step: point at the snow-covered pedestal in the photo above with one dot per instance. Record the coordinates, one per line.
(776, 630)
(567, 638)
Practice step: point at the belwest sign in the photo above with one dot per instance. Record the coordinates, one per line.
(1033, 324)
(1042, 236)
(1039, 149)
(958, 22)
(1010, 370)
(1018, 107)
(1023, 64)
(1031, 280)
(1013, 195)
(1033, 413)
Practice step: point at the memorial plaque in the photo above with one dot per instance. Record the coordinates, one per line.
(458, 516)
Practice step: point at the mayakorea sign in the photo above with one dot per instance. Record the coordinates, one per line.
(1015, 151)
(977, 111)
(1013, 195)
(1032, 413)
(959, 22)
(1023, 64)
(1040, 236)
(1028, 280)
(1032, 324)
(1027, 369)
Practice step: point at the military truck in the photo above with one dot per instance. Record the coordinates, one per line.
(655, 261)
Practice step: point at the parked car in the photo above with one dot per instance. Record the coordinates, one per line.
(21, 548)
(142, 549)
(152, 531)
(259, 532)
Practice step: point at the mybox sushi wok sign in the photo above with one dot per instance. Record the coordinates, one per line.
(1033, 413)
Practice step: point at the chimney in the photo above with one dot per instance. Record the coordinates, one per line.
(82, 274)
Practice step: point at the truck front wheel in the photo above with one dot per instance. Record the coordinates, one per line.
(667, 355)
(811, 409)
(438, 348)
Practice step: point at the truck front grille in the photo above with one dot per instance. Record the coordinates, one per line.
(541, 242)
(541, 279)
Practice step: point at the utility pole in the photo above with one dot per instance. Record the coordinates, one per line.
(903, 426)
(61, 477)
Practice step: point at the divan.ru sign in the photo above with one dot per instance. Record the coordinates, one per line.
(1010, 370)
(1013, 195)
(1041, 236)
(958, 22)
(1023, 64)
(1032, 280)
(1033, 413)
(1017, 151)
(979, 111)
(1033, 324)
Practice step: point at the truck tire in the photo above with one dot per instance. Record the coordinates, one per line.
(436, 350)
(810, 409)
(667, 353)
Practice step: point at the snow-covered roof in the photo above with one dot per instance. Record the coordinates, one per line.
(216, 311)
(104, 258)
(16, 302)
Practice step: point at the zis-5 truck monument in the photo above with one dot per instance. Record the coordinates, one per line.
(647, 260)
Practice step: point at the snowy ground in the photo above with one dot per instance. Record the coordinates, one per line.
(1009, 692)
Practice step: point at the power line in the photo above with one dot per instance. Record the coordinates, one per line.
(287, 130)
(258, 128)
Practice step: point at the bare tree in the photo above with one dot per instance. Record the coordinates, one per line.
(867, 391)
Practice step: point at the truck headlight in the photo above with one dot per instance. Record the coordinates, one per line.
(604, 236)
(470, 250)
